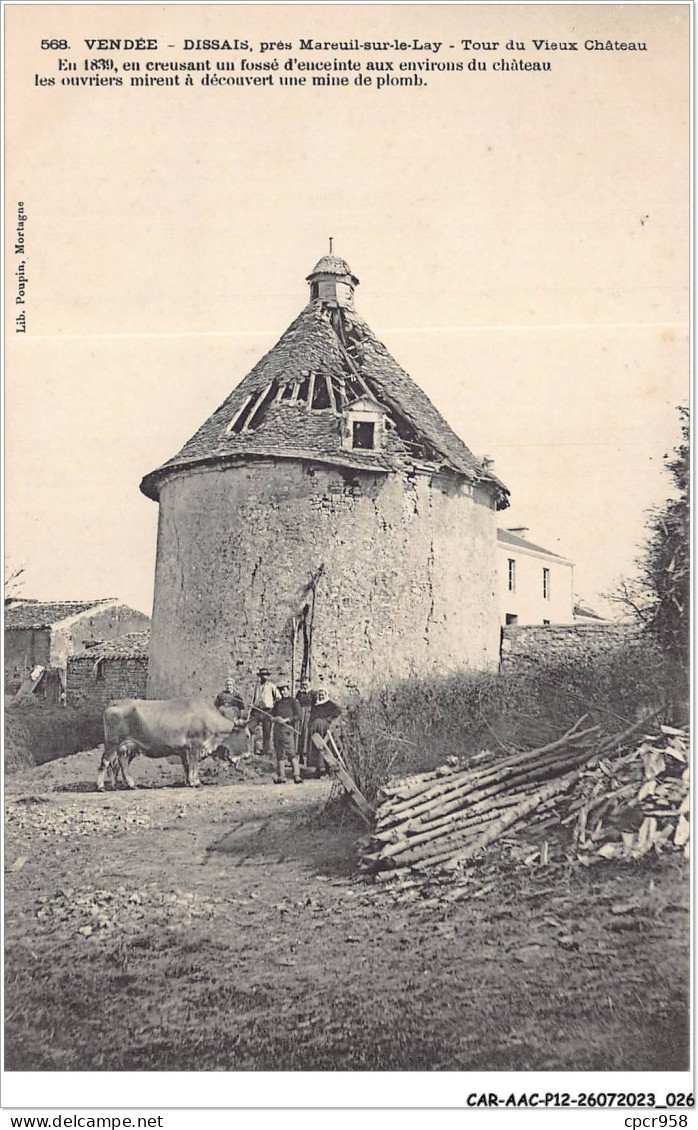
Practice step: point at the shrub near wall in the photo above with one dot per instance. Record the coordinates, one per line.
(415, 725)
(36, 732)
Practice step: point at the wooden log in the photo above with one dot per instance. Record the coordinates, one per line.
(406, 848)
(428, 803)
(442, 858)
(441, 832)
(465, 817)
(511, 817)
(424, 795)
(470, 811)
(359, 799)
(394, 789)
(569, 738)
(332, 743)
(509, 769)
(437, 847)
(419, 783)
(464, 824)
(510, 760)
(466, 812)
(489, 786)
(617, 739)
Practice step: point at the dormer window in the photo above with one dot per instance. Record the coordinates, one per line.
(363, 435)
(363, 425)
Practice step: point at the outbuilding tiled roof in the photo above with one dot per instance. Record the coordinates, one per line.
(275, 410)
(507, 538)
(36, 614)
(132, 645)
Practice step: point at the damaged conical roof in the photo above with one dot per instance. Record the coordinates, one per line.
(297, 401)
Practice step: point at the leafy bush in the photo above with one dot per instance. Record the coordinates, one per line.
(415, 725)
(36, 732)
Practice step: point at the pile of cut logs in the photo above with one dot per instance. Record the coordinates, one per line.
(443, 818)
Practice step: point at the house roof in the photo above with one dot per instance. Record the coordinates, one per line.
(35, 614)
(132, 645)
(505, 537)
(580, 610)
(330, 348)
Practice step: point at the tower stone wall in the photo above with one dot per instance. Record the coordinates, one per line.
(397, 573)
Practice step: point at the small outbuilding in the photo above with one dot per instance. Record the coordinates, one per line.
(109, 669)
(40, 636)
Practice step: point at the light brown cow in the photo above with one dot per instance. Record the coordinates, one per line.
(190, 727)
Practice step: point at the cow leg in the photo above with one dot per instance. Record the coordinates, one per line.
(126, 753)
(106, 762)
(190, 761)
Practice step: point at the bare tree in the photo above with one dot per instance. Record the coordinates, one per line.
(658, 597)
(14, 581)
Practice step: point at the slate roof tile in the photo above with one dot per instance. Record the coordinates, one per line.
(36, 614)
(132, 645)
(507, 538)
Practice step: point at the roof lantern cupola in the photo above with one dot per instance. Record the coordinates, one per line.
(332, 280)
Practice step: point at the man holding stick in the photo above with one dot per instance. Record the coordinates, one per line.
(265, 696)
(287, 723)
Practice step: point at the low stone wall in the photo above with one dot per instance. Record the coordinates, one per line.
(525, 646)
(93, 680)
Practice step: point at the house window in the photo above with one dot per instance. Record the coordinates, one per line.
(511, 618)
(546, 584)
(546, 623)
(512, 574)
(363, 435)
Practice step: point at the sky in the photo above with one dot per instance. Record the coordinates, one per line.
(521, 241)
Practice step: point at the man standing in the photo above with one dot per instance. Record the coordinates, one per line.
(265, 695)
(287, 721)
(229, 701)
(305, 699)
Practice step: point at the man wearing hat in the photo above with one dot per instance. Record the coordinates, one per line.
(265, 695)
(287, 722)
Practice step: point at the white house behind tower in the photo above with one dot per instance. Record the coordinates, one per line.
(536, 586)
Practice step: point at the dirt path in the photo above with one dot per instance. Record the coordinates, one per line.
(225, 928)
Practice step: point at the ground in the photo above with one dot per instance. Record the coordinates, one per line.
(227, 928)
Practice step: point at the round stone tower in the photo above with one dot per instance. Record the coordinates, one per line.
(325, 521)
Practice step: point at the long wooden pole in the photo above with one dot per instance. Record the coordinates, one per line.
(480, 785)
(511, 817)
(293, 656)
(413, 787)
(500, 768)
